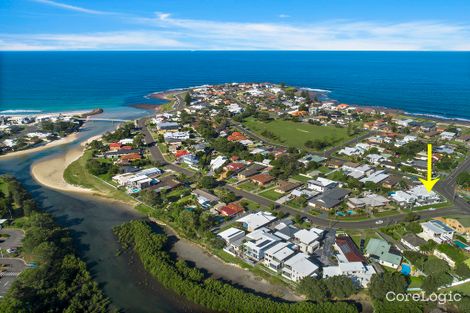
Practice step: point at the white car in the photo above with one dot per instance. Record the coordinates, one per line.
(379, 222)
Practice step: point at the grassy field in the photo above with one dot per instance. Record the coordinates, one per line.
(77, 174)
(296, 134)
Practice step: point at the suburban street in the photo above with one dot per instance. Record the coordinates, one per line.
(444, 187)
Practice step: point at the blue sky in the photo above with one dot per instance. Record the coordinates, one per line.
(235, 25)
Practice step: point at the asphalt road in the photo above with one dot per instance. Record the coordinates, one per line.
(327, 223)
(446, 187)
(155, 152)
(13, 267)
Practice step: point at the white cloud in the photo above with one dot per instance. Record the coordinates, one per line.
(70, 7)
(164, 31)
(284, 16)
(134, 40)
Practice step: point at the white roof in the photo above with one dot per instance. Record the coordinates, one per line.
(306, 236)
(137, 178)
(257, 220)
(301, 264)
(218, 162)
(351, 266)
(230, 233)
(376, 177)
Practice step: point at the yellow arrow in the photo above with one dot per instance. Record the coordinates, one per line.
(429, 182)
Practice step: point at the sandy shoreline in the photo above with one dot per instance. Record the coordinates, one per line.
(50, 171)
(68, 139)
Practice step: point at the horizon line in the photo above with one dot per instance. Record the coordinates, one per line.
(225, 50)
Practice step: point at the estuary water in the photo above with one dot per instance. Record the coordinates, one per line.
(91, 220)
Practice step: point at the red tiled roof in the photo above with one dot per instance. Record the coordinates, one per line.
(262, 178)
(235, 166)
(231, 209)
(180, 153)
(115, 145)
(127, 148)
(236, 136)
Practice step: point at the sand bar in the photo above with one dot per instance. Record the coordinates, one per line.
(68, 139)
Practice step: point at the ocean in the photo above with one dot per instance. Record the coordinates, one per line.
(433, 83)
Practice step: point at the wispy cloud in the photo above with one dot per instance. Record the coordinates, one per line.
(125, 40)
(284, 16)
(71, 7)
(164, 31)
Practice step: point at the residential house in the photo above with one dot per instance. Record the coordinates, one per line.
(176, 136)
(412, 242)
(329, 199)
(347, 250)
(360, 273)
(321, 184)
(368, 201)
(256, 220)
(460, 224)
(231, 209)
(298, 267)
(257, 243)
(382, 252)
(308, 240)
(167, 126)
(262, 179)
(218, 162)
(284, 186)
(275, 256)
(437, 231)
(231, 235)
(251, 170)
(204, 198)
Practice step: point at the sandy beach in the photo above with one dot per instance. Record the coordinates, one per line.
(55, 143)
(50, 171)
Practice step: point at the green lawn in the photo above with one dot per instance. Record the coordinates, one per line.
(416, 282)
(295, 134)
(301, 178)
(271, 194)
(77, 174)
(464, 289)
(248, 186)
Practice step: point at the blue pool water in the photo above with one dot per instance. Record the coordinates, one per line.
(405, 269)
(460, 244)
(420, 82)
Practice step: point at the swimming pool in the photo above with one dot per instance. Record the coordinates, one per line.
(405, 269)
(461, 245)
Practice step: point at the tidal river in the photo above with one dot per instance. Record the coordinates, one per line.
(91, 220)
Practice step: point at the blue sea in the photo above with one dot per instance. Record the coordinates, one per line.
(434, 83)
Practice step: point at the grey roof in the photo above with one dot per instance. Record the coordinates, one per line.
(331, 198)
(252, 170)
(413, 240)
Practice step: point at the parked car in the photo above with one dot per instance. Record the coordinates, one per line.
(379, 222)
